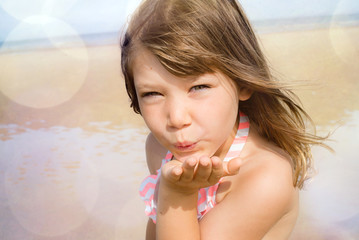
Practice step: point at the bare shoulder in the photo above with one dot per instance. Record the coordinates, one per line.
(155, 152)
(269, 172)
(266, 168)
(257, 199)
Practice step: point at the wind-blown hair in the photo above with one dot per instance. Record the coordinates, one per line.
(193, 37)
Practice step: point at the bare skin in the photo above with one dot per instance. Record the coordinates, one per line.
(196, 118)
(259, 202)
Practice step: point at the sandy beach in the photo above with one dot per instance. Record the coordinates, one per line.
(325, 62)
(72, 147)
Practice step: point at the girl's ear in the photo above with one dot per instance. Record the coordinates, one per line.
(244, 93)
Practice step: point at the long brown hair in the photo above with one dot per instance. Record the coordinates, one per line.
(193, 37)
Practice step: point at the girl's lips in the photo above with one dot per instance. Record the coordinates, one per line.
(185, 146)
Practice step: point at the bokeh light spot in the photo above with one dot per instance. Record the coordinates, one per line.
(50, 192)
(44, 77)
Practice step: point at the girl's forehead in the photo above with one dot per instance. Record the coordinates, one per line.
(168, 61)
(146, 66)
(142, 56)
(144, 62)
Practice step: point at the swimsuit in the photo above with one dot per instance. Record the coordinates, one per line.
(206, 196)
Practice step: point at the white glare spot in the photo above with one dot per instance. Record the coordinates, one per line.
(46, 77)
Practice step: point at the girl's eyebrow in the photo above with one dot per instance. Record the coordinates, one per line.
(143, 82)
(205, 78)
(144, 85)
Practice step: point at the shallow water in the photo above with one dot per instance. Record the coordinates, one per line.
(71, 160)
(330, 200)
(59, 180)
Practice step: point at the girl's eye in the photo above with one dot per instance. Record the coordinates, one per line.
(199, 87)
(150, 94)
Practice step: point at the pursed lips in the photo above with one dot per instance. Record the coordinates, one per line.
(185, 146)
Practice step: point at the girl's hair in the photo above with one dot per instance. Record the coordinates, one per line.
(193, 37)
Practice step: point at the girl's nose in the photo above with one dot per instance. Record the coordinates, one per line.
(178, 114)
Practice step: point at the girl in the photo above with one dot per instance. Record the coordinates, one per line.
(228, 149)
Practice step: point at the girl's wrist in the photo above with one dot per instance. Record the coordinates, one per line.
(170, 189)
(173, 198)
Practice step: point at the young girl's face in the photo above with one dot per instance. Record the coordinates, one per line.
(191, 117)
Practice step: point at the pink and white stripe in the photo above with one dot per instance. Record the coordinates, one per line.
(206, 196)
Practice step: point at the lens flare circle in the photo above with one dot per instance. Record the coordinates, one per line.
(50, 191)
(44, 62)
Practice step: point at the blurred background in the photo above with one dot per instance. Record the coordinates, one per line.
(72, 150)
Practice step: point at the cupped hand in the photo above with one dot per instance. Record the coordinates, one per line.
(195, 173)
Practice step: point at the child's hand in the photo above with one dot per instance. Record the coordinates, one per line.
(193, 173)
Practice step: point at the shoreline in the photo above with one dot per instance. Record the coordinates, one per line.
(91, 135)
(320, 56)
(263, 26)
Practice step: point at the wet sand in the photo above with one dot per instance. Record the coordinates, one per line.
(100, 97)
(72, 160)
(325, 62)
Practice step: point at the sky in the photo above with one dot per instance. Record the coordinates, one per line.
(26, 20)
(278, 9)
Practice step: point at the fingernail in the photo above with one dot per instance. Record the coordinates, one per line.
(204, 163)
(177, 171)
(192, 162)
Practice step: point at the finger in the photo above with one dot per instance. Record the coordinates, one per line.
(203, 169)
(217, 170)
(176, 173)
(232, 167)
(172, 172)
(188, 169)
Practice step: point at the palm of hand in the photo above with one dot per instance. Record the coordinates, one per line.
(193, 173)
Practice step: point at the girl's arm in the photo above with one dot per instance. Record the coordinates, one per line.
(261, 194)
(154, 155)
(257, 197)
(178, 194)
(150, 230)
(261, 197)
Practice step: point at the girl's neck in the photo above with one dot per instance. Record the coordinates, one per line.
(224, 148)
